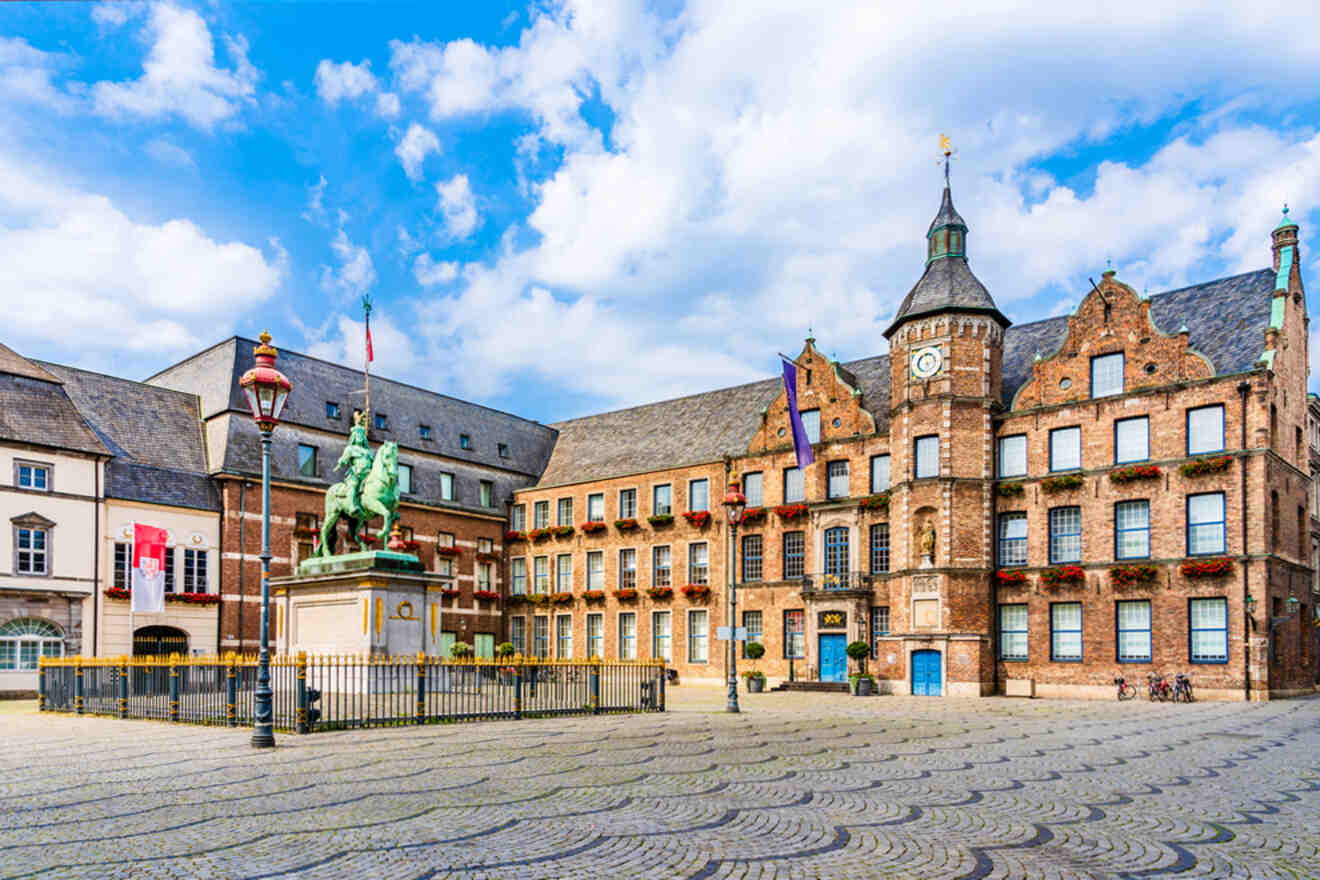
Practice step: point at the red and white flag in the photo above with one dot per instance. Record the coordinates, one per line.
(148, 569)
(371, 356)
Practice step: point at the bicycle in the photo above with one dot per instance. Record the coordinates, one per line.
(1126, 691)
(1158, 688)
(1182, 689)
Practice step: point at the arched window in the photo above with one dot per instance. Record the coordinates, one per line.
(23, 640)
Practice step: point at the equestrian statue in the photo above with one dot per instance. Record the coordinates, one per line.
(370, 488)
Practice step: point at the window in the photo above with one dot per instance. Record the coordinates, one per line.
(879, 548)
(382, 422)
(627, 504)
(541, 636)
(518, 575)
(837, 472)
(795, 634)
(752, 489)
(1276, 524)
(698, 495)
(518, 634)
(751, 558)
(596, 635)
(1134, 631)
(660, 567)
(331, 409)
(1012, 540)
(518, 517)
(484, 575)
(541, 515)
(565, 512)
(304, 550)
(484, 545)
(32, 476)
(794, 555)
(662, 500)
(1065, 535)
(1066, 632)
(1205, 524)
(425, 431)
(564, 637)
(660, 636)
(1107, 375)
(1131, 440)
(194, 571)
(26, 639)
(879, 625)
(628, 635)
(879, 473)
(306, 460)
(32, 551)
(123, 562)
(503, 449)
(1205, 429)
(927, 456)
(487, 493)
(698, 564)
(542, 574)
(596, 507)
(444, 539)
(464, 441)
(1301, 532)
(698, 636)
(795, 486)
(1209, 630)
(628, 569)
(596, 571)
(837, 551)
(564, 573)
(405, 479)
(1012, 632)
(1065, 449)
(447, 487)
(1132, 530)
(1013, 456)
(751, 621)
(811, 423)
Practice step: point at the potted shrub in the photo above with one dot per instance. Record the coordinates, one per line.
(755, 677)
(862, 685)
(504, 650)
(460, 650)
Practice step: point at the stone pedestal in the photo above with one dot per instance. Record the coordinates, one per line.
(377, 602)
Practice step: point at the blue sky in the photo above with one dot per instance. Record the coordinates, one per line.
(566, 207)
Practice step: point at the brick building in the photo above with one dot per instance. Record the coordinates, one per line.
(1023, 509)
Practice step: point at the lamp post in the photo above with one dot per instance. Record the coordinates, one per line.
(266, 390)
(734, 507)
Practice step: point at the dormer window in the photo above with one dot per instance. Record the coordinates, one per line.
(504, 450)
(425, 431)
(464, 441)
(331, 409)
(382, 422)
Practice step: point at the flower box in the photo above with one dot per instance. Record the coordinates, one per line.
(117, 593)
(590, 528)
(305, 532)
(562, 598)
(448, 551)
(1064, 574)
(410, 545)
(697, 592)
(1012, 578)
(539, 534)
(512, 536)
(791, 511)
(594, 595)
(1132, 473)
(194, 598)
(625, 595)
(1062, 483)
(485, 595)
(563, 531)
(660, 519)
(1131, 575)
(488, 557)
(450, 592)
(1208, 465)
(537, 599)
(516, 599)
(660, 592)
(753, 514)
(626, 525)
(698, 518)
(1009, 490)
(878, 502)
(1206, 568)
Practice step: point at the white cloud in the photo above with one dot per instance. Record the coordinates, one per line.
(387, 105)
(336, 82)
(458, 206)
(345, 343)
(315, 210)
(111, 14)
(429, 272)
(170, 153)
(27, 75)
(180, 76)
(412, 150)
(355, 273)
(76, 265)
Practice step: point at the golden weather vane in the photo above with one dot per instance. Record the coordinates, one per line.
(947, 150)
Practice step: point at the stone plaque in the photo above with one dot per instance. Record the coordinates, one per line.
(925, 613)
(926, 583)
(832, 620)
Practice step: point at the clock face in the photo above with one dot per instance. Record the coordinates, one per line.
(926, 362)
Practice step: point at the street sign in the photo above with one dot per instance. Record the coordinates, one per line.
(740, 633)
(721, 633)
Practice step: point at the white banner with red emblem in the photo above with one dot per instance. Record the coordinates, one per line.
(148, 569)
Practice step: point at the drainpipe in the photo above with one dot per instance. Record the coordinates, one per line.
(96, 563)
(1244, 389)
(242, 558)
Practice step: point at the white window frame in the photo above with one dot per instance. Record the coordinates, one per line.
(880, 475)
(1102, 365)
(1013, 456)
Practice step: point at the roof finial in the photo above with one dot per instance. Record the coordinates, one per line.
(948, 152)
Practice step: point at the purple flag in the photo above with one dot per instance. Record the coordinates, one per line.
(801, 445)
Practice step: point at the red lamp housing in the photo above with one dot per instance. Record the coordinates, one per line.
(265, 387)
(735, 504)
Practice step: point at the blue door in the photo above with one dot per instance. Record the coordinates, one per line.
(833, 661)
(926, 673)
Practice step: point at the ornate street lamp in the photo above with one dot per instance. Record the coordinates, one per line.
(266, 390)
(735, 505)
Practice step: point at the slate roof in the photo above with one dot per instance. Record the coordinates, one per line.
(1226, 318)
(15, 364)
(154, 433)
(35, 408)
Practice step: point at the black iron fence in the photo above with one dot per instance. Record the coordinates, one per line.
(335, 692)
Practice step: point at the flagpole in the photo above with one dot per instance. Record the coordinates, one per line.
(366, 361)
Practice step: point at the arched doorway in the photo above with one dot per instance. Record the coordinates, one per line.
(159, 641)
(927, 678)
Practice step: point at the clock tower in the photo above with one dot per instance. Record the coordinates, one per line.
(946, 356)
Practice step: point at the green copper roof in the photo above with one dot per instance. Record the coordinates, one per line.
(1285, 268)
(1286, 221)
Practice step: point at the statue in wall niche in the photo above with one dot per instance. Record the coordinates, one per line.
(927, 545)
(370, 488)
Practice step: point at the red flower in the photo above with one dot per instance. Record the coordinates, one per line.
(698, 518)
(791, 511)
(594, 595)
(1200, 568)
(660, 592)
(625, 525)
(515, 536)
(696, 591)
(592, 527)
(625, 595)
(1066, 574)
(485, 595)
(448, 551)
(1011, 577)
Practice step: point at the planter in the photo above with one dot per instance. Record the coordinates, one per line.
(451, 592)
(698, 518)
(1210, 465)
(1013, 578)
(755, 684)
(594, 595)
(626, 525)
(626, 595)
(1206, 568)
(661, 519)
(1064, 483)
(697, 592)
(561, 598)
(1062, 576)
(485, 595)
(448, 551)
(1133, 473)
(661, 592)
(537, 599)
(878, 502)
(303, 532)
(1009, 490)
(516, 600)
(1132, 575)
(753, 515)
(590, 528)
(791, 511)
(563, 531)
(861, 686)
(539, 534)
(488, 557)
(515, 536)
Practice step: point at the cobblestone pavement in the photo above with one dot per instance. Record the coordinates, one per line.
(808, 786)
